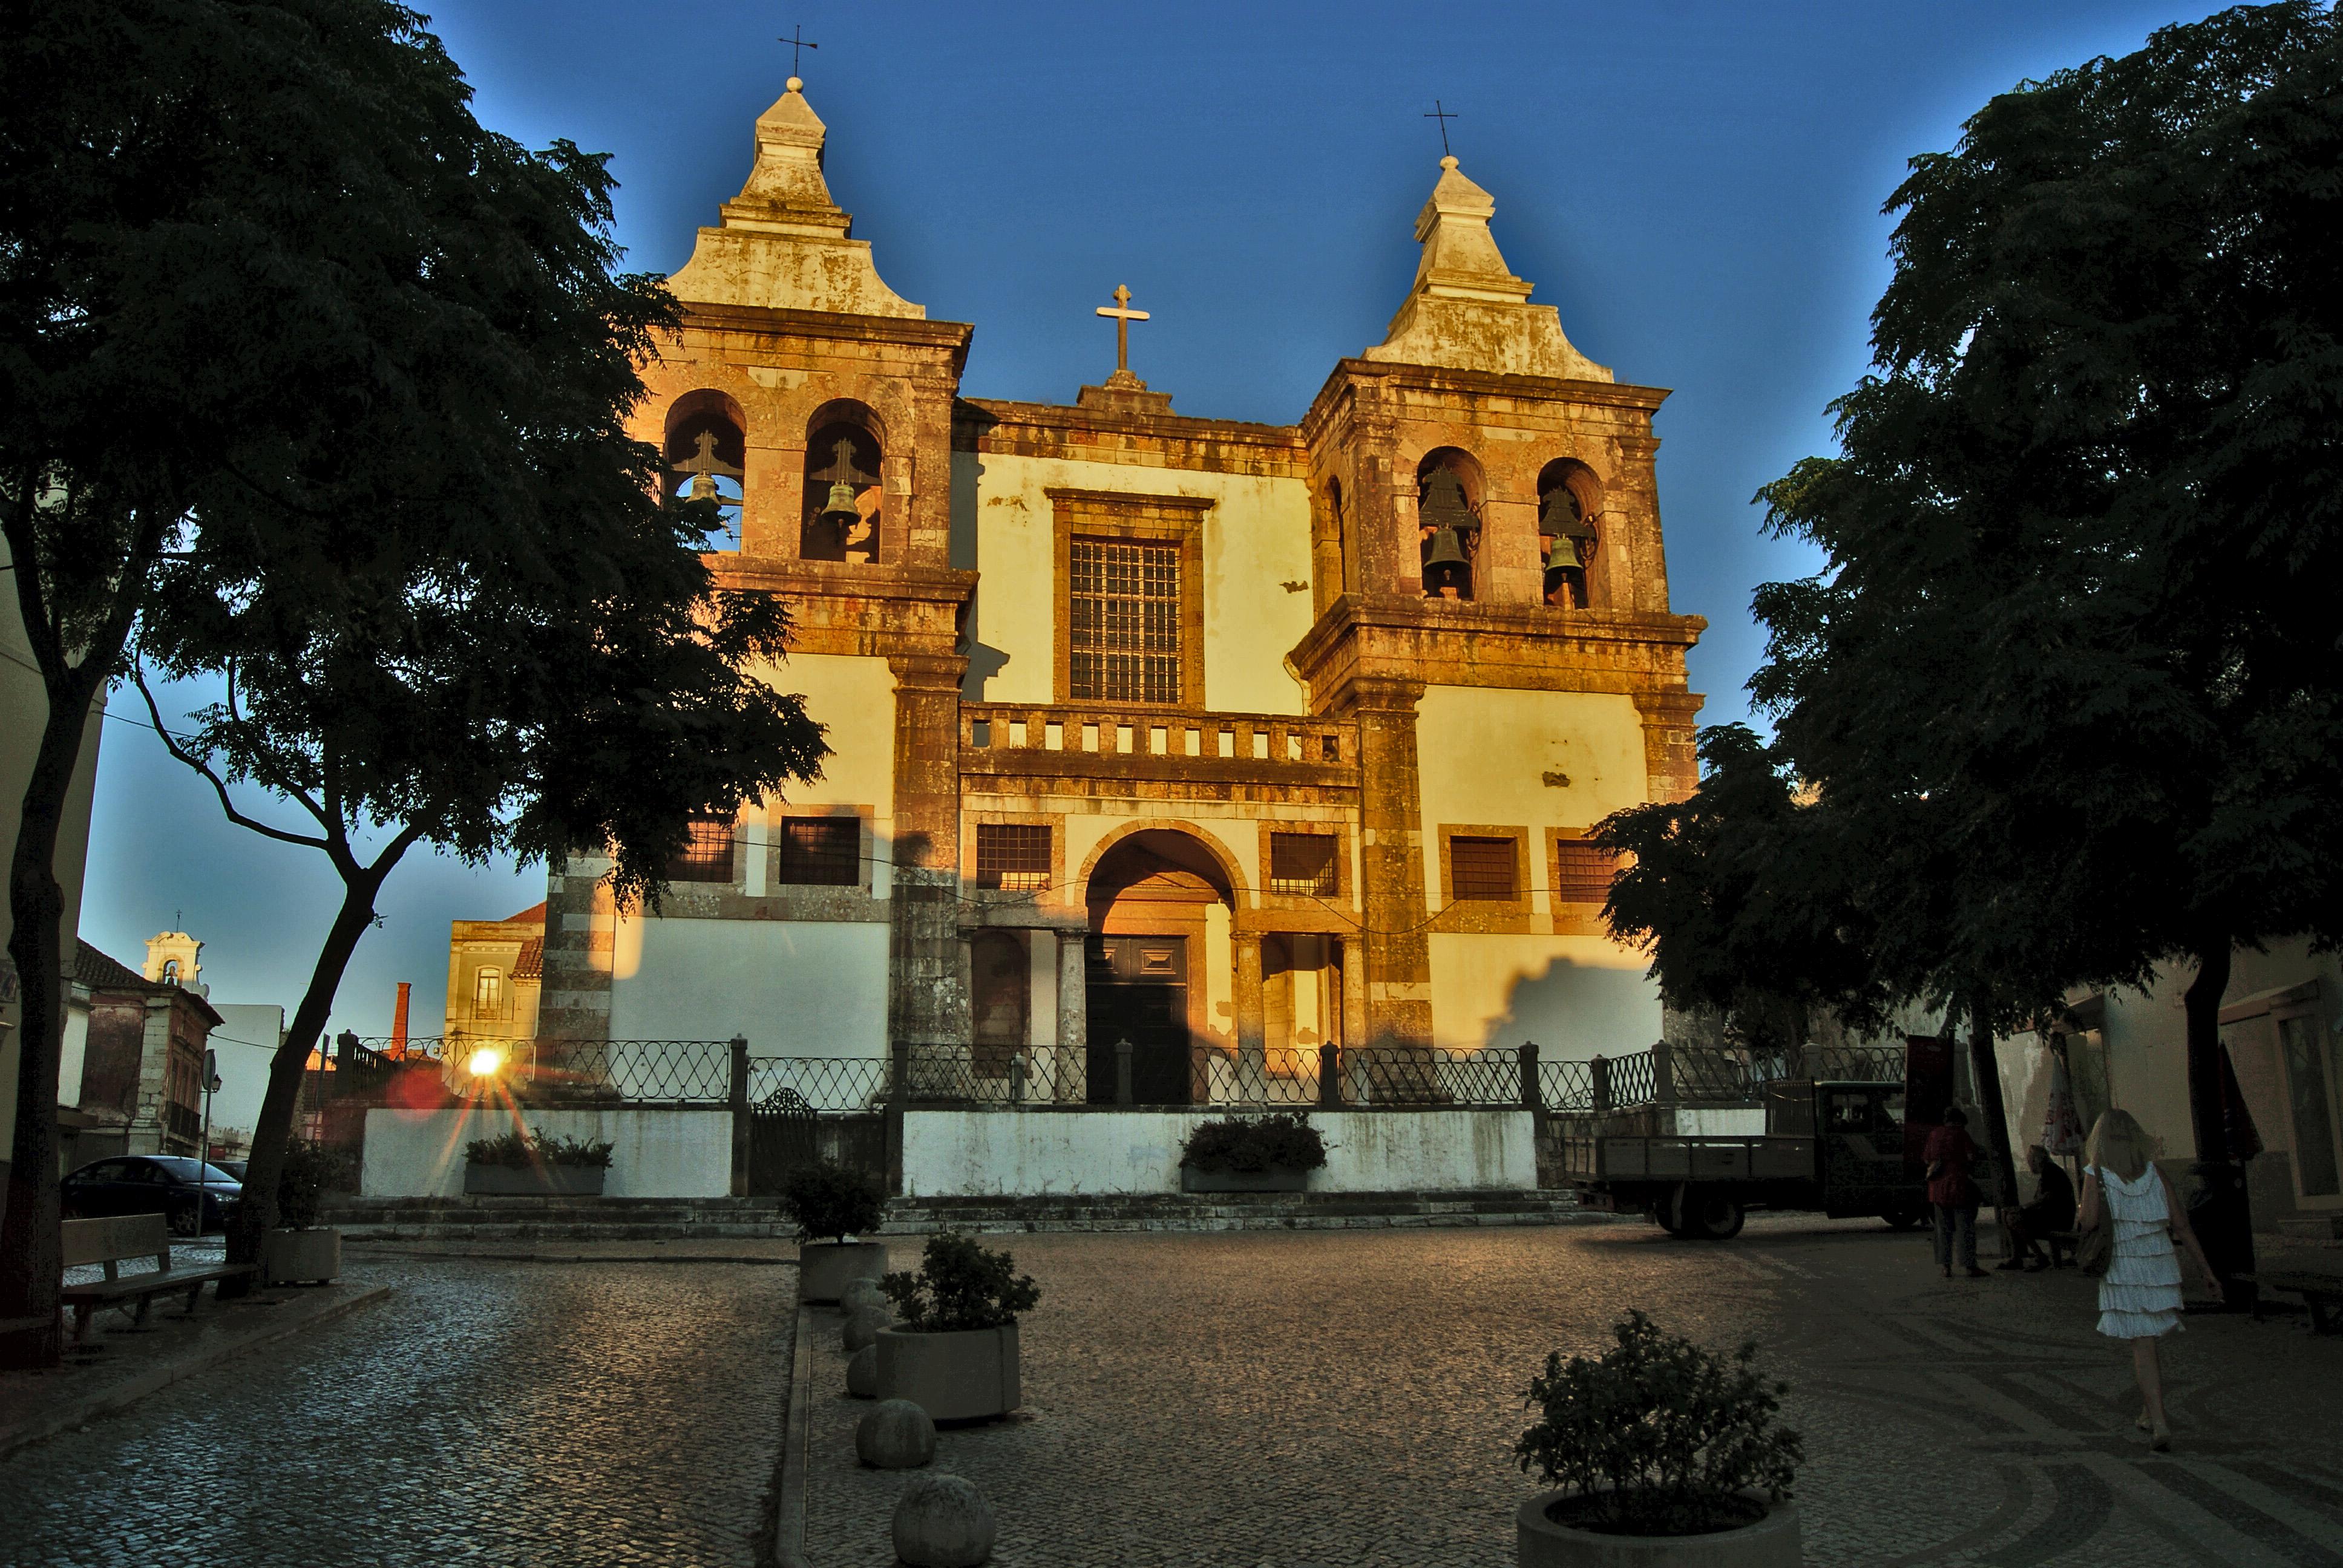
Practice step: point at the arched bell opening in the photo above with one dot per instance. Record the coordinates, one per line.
(705, 448)
(844, 494)
(1570, 498)
(1158, 961)
(1449, 489)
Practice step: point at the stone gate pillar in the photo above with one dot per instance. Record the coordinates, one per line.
(1396, 948)
(927, 996)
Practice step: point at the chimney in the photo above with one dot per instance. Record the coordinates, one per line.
(398, 1023)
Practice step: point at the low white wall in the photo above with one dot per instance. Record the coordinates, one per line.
(658, 1154)
(953, 1153)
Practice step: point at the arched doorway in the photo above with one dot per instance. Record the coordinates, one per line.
(1152, 898)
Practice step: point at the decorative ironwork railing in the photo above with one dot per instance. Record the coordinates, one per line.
(575, 1071)
(1203, 1075)
(1681, 1075)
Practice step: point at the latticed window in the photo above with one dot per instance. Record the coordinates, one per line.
(1123, 625)
(488, 994)
(1480, 868)
(1013, 856)
(821, 851)
(1303, 863)
(707, 855)
(1583, 871)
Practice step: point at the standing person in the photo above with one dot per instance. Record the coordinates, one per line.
(1950, 1151)
(2139, 1295)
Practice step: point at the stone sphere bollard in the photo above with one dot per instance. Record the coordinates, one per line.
(942, 1521)
(862, 1373)
(863, 1293)
(862, 1326)
(896, 1435)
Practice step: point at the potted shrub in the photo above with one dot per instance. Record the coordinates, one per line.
(1271, 1153)
(533, 1165)
(827, 1200)
(299, 1250)
(1663, 1456)
(954, 1351)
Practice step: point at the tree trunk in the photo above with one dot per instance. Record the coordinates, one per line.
(2204, 1015)
(257, 1213)
(31, 1250)
(2219, 1210)
(1985, 1066)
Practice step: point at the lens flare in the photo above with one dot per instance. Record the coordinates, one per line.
(485, 1061)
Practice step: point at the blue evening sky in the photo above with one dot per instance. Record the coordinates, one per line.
(1697, 186)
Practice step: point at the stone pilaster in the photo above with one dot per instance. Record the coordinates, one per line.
(1253, 1035)
(927, 994)
(1074, 1016)
(580, 922)
(1397, 950)
(1671, 754)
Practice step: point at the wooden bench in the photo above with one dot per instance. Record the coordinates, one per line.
(2322, 1292)
(110, 1243)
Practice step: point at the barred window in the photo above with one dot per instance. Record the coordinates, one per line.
(821, 851)
(1124, 623)
(1480, 868)
(1012, 856)
(1583, 871)
(707, 855)
(1303, 863)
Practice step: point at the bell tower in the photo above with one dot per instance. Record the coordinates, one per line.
(1489, 494)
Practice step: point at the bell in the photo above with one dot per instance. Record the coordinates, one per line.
(1443, 505)
(840, 513)
(1565, 556)
(1447, 550)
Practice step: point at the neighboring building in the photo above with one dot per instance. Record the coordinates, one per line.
(494, 969)
(142, 1059)
(243, 1044)
(1201, 733)
(24, 710)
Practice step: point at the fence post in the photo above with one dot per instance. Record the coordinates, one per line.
(1663, 1073)
(1122, 1071)
(1598, 1075)
(740, 1123)
(1330, 1076)
(1532, 1100)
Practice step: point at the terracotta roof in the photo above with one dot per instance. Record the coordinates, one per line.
(531, 965)
(534, 915)
(95, 968)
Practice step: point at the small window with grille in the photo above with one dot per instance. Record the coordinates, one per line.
(821, 851)
(1583, 871)
(1481, 869)
(1122, 637)
(1303, 863)
(1013, 856)
(707, 855)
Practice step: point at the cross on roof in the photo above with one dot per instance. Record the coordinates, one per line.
(1123, 317)
(795, 39)
(1444, 116)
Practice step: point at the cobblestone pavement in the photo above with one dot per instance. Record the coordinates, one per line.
(1353, 1399)
(490, 1412)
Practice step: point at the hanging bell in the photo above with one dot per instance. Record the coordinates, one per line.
(839, 512)
(1447, 551)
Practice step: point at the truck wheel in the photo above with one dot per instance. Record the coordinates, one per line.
(1710, 1213)
(1904, 1218)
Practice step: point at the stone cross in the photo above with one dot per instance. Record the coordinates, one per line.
(1123, 317)
(1444, 116)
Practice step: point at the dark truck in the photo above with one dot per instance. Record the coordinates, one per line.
(1698, 1139)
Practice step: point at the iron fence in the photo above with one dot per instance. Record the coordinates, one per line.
(819, 1083)
(576, 1072)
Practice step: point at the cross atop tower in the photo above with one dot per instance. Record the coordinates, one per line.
(1444, 116)
(795, 38)
(1123, 317)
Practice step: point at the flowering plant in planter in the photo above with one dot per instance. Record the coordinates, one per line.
(520, 1151)
(311, 1170)
(1658, 1437)
(959, 1285)
(826, 1199)
(1249, 1144)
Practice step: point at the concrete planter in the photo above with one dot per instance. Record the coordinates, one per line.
(1274, 1181)
(533, 1181)
(826, 1268)
(1774, 1542)
(300, 1256)
(967, 1375)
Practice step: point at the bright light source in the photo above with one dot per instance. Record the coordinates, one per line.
(486, 1062)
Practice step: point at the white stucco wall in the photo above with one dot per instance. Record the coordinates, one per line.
(1577, 997)
(951, 1153)
(659, 1153)
(853, 698)
(1256, 538)
(795, 987)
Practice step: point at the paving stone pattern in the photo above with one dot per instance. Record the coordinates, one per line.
(491, 1412)
(1353, 1399)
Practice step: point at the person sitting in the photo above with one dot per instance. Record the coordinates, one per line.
(2052, 1212)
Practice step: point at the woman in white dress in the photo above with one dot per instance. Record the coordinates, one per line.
(2139, 1295)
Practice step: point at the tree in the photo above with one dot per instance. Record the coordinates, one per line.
(2076, 630)
(468, 619)
(193, 195)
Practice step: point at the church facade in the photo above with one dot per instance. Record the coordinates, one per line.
(1227, 739)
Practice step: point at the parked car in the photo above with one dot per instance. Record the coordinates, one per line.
(235, 1168)
(195, 1196)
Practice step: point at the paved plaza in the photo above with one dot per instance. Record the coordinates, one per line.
(1268, 1397)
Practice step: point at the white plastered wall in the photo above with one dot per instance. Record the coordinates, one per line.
(660, 1152)
(1256, 539)
(1483, 758)
(854, 696)
(794, 988)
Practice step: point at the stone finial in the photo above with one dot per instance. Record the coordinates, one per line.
(1466, 310)
(783, 242)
